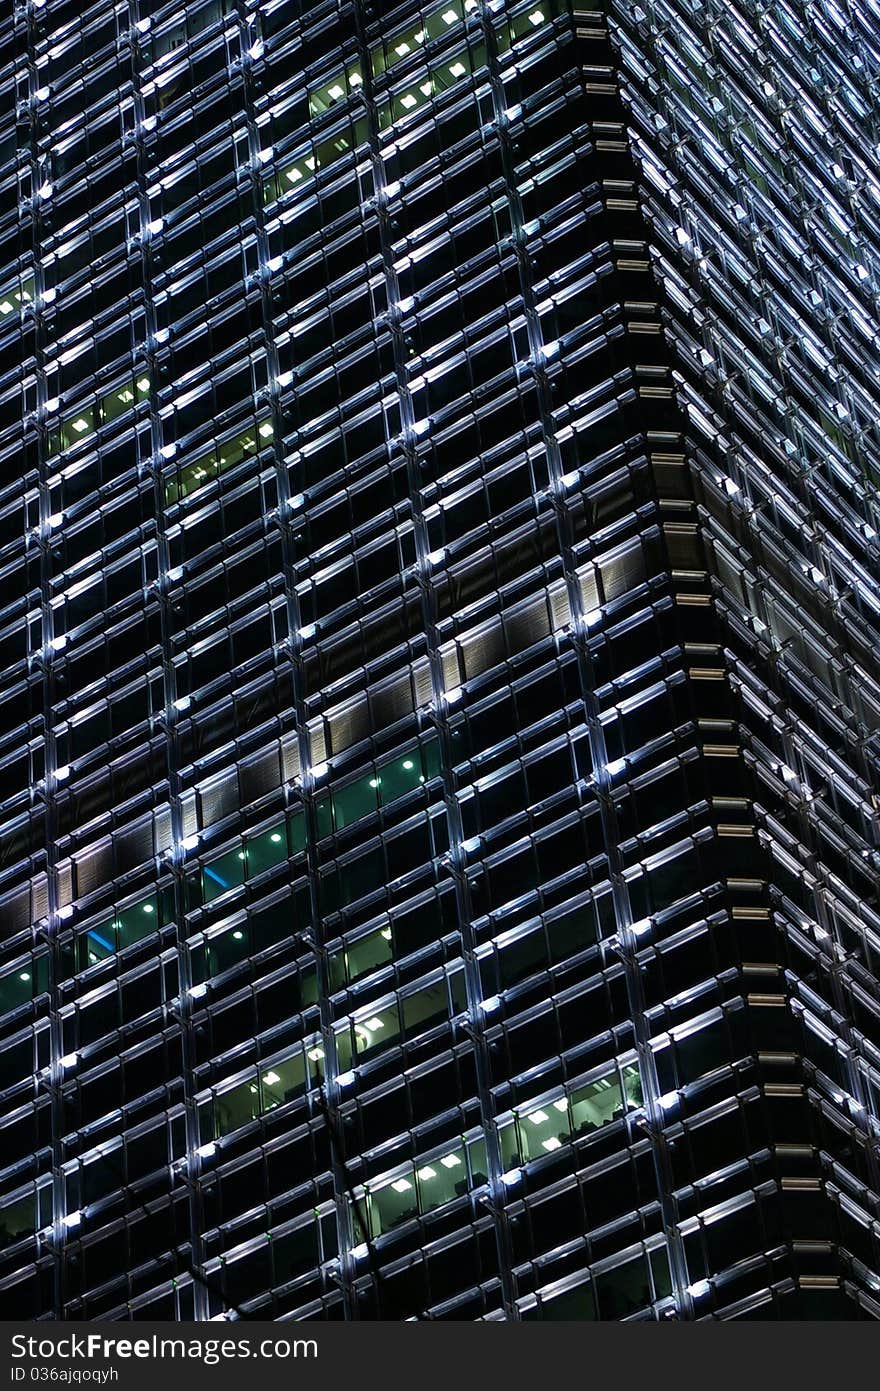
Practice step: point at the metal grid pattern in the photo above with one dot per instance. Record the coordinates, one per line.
(437, 740)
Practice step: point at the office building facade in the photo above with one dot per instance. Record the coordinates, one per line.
(440, 701)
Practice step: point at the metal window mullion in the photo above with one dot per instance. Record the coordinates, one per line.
(201, 1301)
(809, 839)
(812, 843)
(307, 792)
(53, 924)
(595, 732)
(457, 858)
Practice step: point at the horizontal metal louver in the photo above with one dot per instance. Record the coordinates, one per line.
(623, 570)
(290, 760)
(64, 886)
(162, 831)
(589, 587)
(188, 812)
(39, 897)
(15, 910)
(527, 625)
(94, 867)
(422, 685)
(365, 715)
(260, 775)
(449, 658)
(560, 609)
(317, 742)
(683, 546)
(391, 702)
(481, 650)
(218, 797)
(134, 846)
(345, 726)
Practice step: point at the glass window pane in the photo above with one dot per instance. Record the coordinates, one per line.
(376, 1031)
(136, 922)
(354, 801)
(283, 1081)
(442, 1180)
(425, 1008)
(369, 953)
(544, 1128)
(395, 1202)
(624, 1290)
(595, 1105)
(236, 1107)
(17, 987)
(267, 849)
(224, 873)
(229, 948)
(18, 1220)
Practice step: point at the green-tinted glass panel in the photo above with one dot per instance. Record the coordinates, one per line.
(443, 18)
(358, 799)
(224, 873)
(296, 832)
(517, 959)
(272, 923)
(572, 931)
(96, 944)
(362, 875)
(229, 948)
(17, 987)
(576, 1304)
(135, 922)
(508, 1135)
(399, 776)
(199, 968)
(41, 973)
(659, 1259)
(478, 1161)
(343, 1048)
(266, 850)
(431, 762)
(309, 986)
(323, 815)
(295, 1252)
